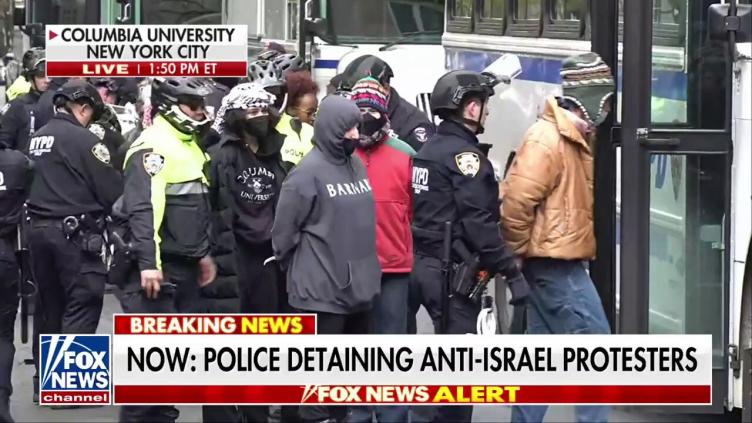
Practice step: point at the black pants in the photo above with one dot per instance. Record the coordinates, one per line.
(183, 273)
(70, 281)
(8, 310)
(335, 324)
(261, 290)
(426, 290)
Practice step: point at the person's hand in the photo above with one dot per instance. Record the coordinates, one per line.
(518, 262)
(207, 271)
(151, 282)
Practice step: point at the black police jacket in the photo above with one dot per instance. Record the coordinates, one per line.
(45, 110)
(15, 181)
(245, 186)
(408, 122)
(19, 121)
(72, 169)
(454, 181)
(113, 140)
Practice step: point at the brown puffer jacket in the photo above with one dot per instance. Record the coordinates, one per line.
(547, 196)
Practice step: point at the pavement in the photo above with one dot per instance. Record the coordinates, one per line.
(24, 410)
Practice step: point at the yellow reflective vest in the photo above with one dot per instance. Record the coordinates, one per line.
(298, 138)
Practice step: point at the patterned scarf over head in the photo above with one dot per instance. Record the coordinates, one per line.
(243, 97)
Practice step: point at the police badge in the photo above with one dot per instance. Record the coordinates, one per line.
(101, 152)
(468, 163)
(153, 163)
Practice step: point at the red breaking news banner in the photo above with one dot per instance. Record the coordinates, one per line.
(215, 324)
(207, 359)
(412, 394)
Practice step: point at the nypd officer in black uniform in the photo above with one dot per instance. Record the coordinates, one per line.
(453, 181)
(15, 180)
(19, 121)
(74, 189)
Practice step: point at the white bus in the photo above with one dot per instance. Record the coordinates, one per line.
(673, 168)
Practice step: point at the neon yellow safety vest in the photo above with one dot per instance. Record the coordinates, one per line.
(297, 144)
(18, 88)
(166, 195)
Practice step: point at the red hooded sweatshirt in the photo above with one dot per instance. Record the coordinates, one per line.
(390, 170)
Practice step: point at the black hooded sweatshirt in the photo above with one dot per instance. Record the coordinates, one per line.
(245, 186)
(324, 232)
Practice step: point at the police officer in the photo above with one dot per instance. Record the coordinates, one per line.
(453, 181)
(73, 190)
(167, 204)
(107, 127)
(15, 178)
(19, 121)
(406, 120)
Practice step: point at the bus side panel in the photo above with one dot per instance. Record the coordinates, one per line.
(740, 329)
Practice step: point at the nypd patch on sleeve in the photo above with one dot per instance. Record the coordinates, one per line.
(97, 130)
(468, 163)
(153, 163)
(101, 152)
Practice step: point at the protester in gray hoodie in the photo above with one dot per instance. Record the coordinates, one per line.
(324, 232)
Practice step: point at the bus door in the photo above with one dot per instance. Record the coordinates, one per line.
(675, 177)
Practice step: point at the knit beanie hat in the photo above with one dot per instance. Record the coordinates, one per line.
(368, 92)
(587, 82)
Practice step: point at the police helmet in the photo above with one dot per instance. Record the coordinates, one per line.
(269, 55)
(168, 93)
(363, 66)
(288, 63)
(34, 62)
(106, 82)
(265, 73)
(78, 91)
(456, 86)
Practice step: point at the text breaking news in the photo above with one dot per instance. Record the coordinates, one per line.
(210, 359)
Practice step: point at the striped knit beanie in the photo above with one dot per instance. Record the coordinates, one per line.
(587, 81)
(368, 92)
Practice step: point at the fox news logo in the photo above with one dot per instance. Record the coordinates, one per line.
(74, 369)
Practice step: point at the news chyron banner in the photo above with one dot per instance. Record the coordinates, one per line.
(147, 50)
(279, 359)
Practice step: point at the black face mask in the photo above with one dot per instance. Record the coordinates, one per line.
(258, 126)
(370, 124)
(349, 145)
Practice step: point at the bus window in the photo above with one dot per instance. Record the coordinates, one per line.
(690, 71)
(381, 21)
(525, 18)
(172, 12)
(462, 8)
(527, 9)
(568, 10)
(73, 12)
(492, 9)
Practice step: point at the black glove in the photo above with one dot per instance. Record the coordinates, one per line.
(519, 288)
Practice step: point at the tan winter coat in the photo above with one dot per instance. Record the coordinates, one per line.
(547, 196)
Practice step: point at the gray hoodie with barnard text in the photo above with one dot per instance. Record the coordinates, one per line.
(324, 231)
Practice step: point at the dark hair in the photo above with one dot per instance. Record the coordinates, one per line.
(234, 122)
(299, 83)
(465, 101)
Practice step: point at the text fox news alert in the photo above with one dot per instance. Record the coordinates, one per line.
(146, 50)
(279, 359)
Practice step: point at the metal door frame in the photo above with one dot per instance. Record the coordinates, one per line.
(639, 142)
